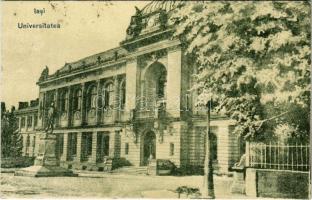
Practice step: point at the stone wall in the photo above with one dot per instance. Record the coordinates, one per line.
(227, 144)
(128, 137)
(277, 183)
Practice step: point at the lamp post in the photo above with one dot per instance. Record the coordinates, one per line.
(208, 188)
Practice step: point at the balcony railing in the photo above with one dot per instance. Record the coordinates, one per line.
(151, 110)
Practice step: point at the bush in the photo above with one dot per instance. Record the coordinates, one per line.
(165, 165)
(189, 170)
(120, 162)
(19, 162)
(188, 191)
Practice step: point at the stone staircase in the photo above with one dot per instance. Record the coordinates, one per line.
(131, 170)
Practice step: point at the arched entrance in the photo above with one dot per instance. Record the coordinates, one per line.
(148, 147)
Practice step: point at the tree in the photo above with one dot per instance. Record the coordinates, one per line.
(5, 136)
(11, 138)
(253, 59)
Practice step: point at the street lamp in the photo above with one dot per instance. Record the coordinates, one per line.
(208, 188)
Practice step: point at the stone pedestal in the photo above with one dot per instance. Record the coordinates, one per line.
(238, 185)
(46, 163)
(152, 167)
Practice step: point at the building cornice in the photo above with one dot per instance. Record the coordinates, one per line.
(172, 44)
(26, 110)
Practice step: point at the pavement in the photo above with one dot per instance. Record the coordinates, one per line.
(107, 185)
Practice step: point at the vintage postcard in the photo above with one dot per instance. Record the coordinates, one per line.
(155, 99)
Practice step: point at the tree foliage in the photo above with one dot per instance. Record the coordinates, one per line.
(253, 58)
(11, 138)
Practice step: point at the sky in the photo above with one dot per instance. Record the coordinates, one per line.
(87, 28)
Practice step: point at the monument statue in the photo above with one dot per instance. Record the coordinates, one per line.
(46, 163)
(50, 119)
(44, 74)
(135, 26)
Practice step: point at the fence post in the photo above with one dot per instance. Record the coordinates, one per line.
(247, 154)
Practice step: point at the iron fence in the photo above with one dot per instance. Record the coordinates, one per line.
(295, 157)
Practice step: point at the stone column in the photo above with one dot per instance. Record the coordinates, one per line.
(33, 122)
(223, 148)
(83, 103)
(99, 98)
(143, 96)
(56, 106)
(24, 144)
(41, 110)
(94, 147)
(65, 147)
(26, 122)
(69, 105)
(78, 153)
(117, 145)
(174, 81)
(19, 123)
(116, 98)
(111, 144)
(131, 76)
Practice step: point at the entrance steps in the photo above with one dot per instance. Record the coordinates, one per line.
(132, 170)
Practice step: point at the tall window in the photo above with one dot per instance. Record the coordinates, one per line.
(161, 84)
(33, 145)
(63, 101)
(35, 120)
(28, 141)
(34, 142)
(86, 145)
(77, 100)
(23, 122)
(126, 148)
(106, 145)
(59, 145)
(29, 121)
(72, 143)
(108, 96)
(214, 147)
(122, 95)
(102, 146)
(171, 149)
(91, 100)
(27, 145)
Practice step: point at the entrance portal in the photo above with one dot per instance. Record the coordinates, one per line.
(149, 147)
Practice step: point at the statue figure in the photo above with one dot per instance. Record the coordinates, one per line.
(135, 25)
(50, 119)
(44, 74)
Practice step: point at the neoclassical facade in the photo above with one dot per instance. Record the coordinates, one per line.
(134, 102)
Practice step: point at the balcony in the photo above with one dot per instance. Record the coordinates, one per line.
(152, 111)
(91, 116)
(63, 119)
(108, 115)
(77, 118)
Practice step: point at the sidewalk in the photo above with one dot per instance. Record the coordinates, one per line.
(91, 184)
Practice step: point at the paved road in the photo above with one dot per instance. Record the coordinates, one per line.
(106, 185)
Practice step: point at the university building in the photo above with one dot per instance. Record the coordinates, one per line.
(134, 102)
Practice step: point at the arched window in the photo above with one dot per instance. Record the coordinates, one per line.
(63, 101)
(77, 100)
(108, 96)
(122, 95)
(91, 98)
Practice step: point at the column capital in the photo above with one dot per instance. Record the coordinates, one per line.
(174, 48)
(132, 59)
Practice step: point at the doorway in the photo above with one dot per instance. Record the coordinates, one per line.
(149, 147)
